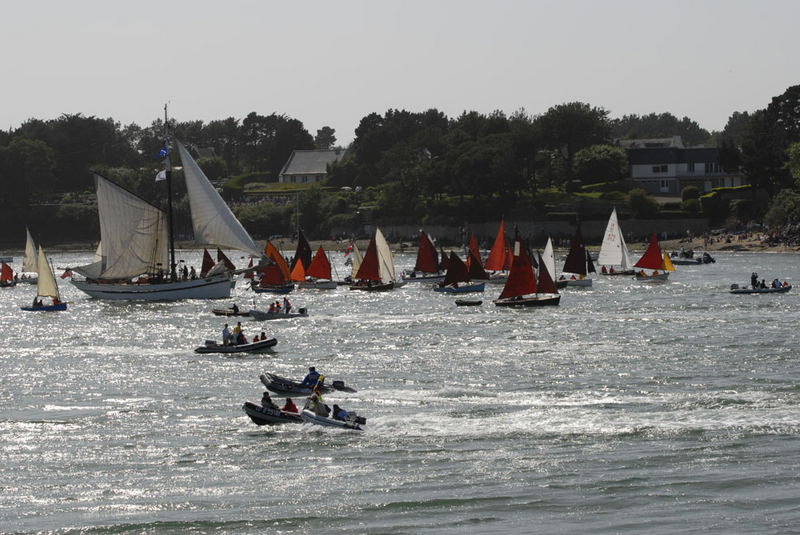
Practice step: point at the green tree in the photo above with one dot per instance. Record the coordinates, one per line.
(567, 128)
(26, 172)
(325, 138)
(659, 125)
(784, 209)
(213, 167)
(690, 192)
(641, 204)
(600, 163)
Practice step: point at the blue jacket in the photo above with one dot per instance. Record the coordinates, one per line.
(311, 379)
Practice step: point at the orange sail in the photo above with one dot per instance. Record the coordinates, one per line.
(473, 250)
(6, 273)
(497, 256)
(277, 272)
(298, 274)
(320, 267)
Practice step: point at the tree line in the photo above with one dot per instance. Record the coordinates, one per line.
(407, 166)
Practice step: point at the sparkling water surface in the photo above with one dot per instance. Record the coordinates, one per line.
(631, 408)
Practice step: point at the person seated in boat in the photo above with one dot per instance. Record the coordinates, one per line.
(272, 308)
(339, 413)
(255, 339)
(311, 378)
(226, 335)
(317, 404)
(754, 279)
(56, 301)
(289, 406)
(37, 301)
(785, 284)
(266, 401)
(603, 270)
(611, 270)
(263, 336)
(776, 283)
(235, 308)
(655, 273)
(642, 273)
(763, 284)
(192, 273)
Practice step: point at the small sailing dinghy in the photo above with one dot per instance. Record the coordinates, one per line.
(521, 288)
(318, 276)
(578, 262)
(655, 260)
(275, 276)
(29, 270)
(498, 263)
(376, 271)
(6, 276)
(46, 287)
(459, 278)
(613, 251)
(427, 267)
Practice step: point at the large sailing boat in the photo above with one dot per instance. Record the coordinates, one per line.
(613, 251)
(578, 262)
(654, 259)
(46, 286)
(138, 251)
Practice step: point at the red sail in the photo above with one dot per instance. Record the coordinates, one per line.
(274, 255)
(545, 282)
(249, 274)
(497, 256)
(476, 272)
(652, 256)
(320, 266)
(520, 279)
(225, 260)
(576, 259)
(208, 263)
(6, 273)
(456, 271)
(509, 259)
(271, 275)
(303, 251)
(443, 261)
(369, 270)
(426, 256)
(473, 249)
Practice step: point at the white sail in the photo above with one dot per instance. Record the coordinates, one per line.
(47, 286)
(549, 259)
(98, 253)
(29, 260)
(133, 234)
(357, 258)
(613, 251)
(385, 258)
(212, 220)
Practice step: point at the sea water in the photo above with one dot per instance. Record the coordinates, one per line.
(630, 408)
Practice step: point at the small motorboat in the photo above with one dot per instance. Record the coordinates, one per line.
(282, 385)
(212, 346)
(264, 315)
(270, 416)
(736, 289)
(230, 311)
(468, 302)
(353, 422)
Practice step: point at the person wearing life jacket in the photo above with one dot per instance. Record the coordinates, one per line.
(317, 404)
(311, 378)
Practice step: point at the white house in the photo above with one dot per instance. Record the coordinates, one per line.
(306, 166)
(664, 166)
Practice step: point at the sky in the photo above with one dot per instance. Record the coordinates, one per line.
(332, 63)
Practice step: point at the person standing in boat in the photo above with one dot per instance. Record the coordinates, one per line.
(226, 335)
(238, 335)
(317, 404)
(287, 306)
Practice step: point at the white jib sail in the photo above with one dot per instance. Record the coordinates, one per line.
(385, 258)
(47, 286)
(549, 259)
(29, 260)
(212, 220)
(613, 251)
(133, 233)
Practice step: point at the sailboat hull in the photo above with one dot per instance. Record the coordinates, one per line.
(579, 283)
(46, 308)
(660, 277)
(317, 285)
(217, 287)
(373, 287)
(528, 301)
(468, 288)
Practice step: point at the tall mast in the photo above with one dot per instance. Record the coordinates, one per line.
(168, 172)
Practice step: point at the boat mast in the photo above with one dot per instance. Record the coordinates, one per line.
(168, 172)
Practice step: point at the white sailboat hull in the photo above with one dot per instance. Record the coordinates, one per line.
(217, 287)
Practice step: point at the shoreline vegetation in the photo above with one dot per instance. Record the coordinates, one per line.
(748, 243)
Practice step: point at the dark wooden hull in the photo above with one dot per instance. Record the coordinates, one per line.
(373, 287)
(468, 303)
(528, 302)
